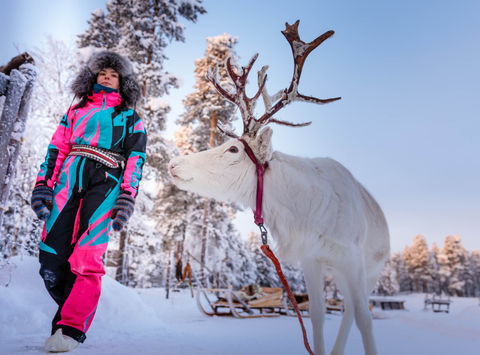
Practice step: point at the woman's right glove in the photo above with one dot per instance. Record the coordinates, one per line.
(122, 210)
(42, 201)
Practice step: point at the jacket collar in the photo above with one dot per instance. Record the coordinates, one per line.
(110, 99)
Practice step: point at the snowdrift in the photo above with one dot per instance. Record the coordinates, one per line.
(130, 321)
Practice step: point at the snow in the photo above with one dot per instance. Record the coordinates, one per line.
(156, 103)
(142, 321)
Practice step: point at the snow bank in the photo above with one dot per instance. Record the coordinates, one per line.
(131, 321)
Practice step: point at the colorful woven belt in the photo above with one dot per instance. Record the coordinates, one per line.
(104, 156)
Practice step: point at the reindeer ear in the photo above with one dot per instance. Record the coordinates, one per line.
(263, 143)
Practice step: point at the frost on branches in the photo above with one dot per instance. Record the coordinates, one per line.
(387, 283)
(205, 101)
(201, 231)
(419, 265)
(141, 30)
(451, 270)
(15, 93)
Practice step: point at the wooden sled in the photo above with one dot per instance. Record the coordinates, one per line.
(303, 305)
(334, 305)
(226, 302)
(331, 305)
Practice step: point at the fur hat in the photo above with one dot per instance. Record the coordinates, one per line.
(87, 77)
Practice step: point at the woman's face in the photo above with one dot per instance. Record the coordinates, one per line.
(109, 78)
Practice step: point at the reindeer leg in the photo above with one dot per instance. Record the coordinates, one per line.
(357, 281)
(347, 320)
(313, 273)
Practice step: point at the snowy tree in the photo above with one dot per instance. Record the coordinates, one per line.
(203, 109)
(434, 252)
(387, 283)
(102, 32)
(418, 262)
(475, 270)
(51, 98)
(141, 30)
(452, 260)
(227, 258)
(403, 279)
(205, 101)
(406, 257)
(146, 256)
(264, 270)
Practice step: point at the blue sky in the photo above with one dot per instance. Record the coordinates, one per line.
(408, 72)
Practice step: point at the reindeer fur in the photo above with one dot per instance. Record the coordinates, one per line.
(319, 215)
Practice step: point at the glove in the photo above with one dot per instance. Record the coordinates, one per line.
(42, 201)
(122, 210)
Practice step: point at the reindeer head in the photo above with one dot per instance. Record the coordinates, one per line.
(217, 172)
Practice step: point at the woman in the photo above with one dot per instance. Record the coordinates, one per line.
(86, 186)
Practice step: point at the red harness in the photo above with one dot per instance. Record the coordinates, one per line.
(265, 248)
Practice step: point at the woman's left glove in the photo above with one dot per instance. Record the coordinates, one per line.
(42, 201)
(122, 210)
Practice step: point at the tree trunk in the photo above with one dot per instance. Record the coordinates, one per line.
(213, 124)
(122, 264)
(17, 90)
(169, 266)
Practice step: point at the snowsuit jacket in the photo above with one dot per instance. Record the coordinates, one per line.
(94, 125)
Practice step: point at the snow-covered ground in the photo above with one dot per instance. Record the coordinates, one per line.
(131, 321)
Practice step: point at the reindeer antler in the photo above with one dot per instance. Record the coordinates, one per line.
(239, 97)
(300, 51)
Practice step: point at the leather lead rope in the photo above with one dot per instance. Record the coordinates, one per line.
(269, 253)
(265, 248)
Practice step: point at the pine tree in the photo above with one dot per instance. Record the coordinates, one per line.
(141, 30)
(387, 283)
(407, 258)
(101, 33)
(434, 252)
(265, 271)
(418, 263)
(210, 222)
(475, 270)
(453, 260)
(205, 100)
(403, 279)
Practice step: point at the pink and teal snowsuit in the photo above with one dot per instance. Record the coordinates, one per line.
(75, 236)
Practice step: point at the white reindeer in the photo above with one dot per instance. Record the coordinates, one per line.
(318, 213)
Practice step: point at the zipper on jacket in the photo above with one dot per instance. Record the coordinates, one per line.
(80, 175)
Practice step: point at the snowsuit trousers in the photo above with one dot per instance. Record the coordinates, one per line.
(74, 239)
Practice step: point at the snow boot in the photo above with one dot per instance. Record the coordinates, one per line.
(59, 343)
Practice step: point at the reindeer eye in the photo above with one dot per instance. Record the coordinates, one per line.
(233, 149)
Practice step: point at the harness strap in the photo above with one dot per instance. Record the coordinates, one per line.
(265, 248)
(260, 171)
(104, 156)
